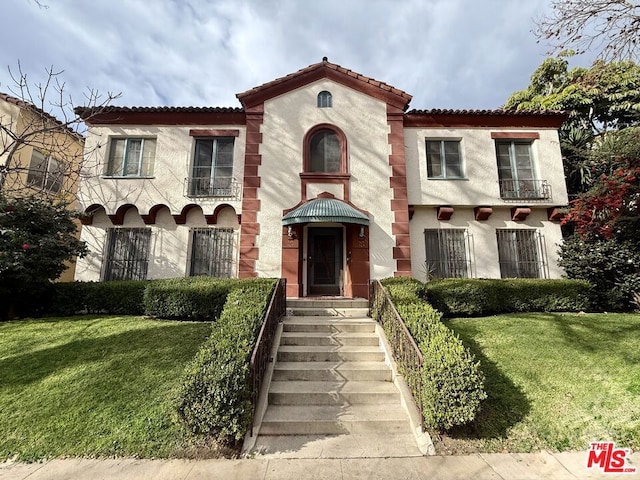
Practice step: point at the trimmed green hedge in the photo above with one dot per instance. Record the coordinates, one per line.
(467, 297)
(215, 398)
(195, 298)
(118, 297)
(452, 383)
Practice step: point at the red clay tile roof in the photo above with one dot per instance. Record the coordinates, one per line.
(86, 112)
(38, 111)
(327, 67)
(498, 111)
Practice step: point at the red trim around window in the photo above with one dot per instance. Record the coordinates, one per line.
(306, 150)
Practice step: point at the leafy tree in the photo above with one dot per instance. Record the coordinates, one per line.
(601, 98)
(36, 238)
(605, 248)
(612, 27)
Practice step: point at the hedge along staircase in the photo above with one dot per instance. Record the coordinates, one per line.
(332, 392)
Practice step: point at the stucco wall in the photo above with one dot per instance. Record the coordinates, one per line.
(364, 122)
(480, 185)
(173, 163)
(484, 243)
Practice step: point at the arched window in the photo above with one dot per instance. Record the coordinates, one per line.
(325, 153)
(325, 100)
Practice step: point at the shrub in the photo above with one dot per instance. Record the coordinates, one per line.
(477, 297)
(196, 298)
(215, 398)
(123, 297)
(452, 385)
(69, 298)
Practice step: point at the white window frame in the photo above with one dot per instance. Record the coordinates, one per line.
(122, 172)
(50, 178)
(443, 159)
(212, 185)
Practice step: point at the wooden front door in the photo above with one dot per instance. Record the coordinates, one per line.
(324, 260)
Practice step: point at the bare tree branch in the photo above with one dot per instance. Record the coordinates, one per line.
(609, 27)
(42, 138)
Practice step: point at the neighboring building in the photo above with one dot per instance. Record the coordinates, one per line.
(322, 178)
(46, 162)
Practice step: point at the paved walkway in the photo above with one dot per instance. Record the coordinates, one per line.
(532, 466)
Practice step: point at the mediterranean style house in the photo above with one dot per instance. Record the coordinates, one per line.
(324, 178)
(39, 156)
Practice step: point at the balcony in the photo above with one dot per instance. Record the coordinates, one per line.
(227, 187)
(525, 190)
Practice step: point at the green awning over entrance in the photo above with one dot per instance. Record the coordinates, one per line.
(325, 210)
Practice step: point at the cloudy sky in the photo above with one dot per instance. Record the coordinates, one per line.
(446, 53)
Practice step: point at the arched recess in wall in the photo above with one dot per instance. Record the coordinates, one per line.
(325, 150)
(224, 215)
(151, 218)
(93, 212)
(191, 214)
(126, 213)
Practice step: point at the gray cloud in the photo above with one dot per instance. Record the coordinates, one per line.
(447, 54)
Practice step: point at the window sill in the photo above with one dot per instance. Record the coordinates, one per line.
(322, 175)
(440, 179)
(127, 177)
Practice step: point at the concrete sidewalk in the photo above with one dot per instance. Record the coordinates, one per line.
(543, 465)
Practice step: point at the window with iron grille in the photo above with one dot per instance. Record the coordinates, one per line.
(212, 174)
(448, 252)
(212, 252)
(521, 253)
(127, 254)
(131, 157)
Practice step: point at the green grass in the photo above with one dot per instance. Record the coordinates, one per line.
(93, 386)
(554, 381)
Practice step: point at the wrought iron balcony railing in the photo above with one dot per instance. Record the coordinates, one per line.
(525, 189)
(212, 187)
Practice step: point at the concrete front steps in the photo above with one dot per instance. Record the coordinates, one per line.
(332, 392)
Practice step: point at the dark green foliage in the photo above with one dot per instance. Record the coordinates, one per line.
(469, 297)
(69, 298)
(122, 297)
(612, 266)
(452, 383)
(215, 399)
(196, 298)
(36, 238)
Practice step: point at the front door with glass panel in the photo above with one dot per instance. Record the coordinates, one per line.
(324, 261)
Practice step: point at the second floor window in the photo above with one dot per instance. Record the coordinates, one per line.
(444, 159)
(212, 174)
(131, 157)
(325, 152)
(515, 170)
(45, 172)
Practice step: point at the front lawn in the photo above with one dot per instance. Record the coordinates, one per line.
(93, 385)
(554, 381)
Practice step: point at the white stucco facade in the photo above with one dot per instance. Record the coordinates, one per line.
(382, 178)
